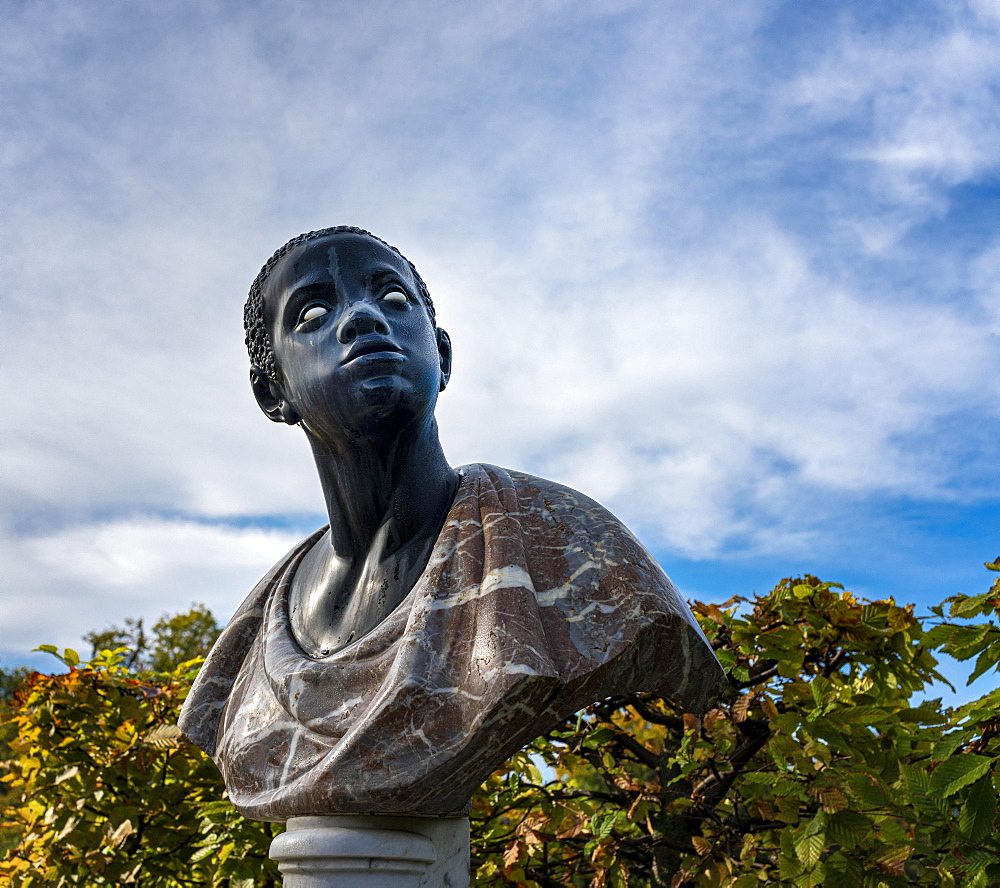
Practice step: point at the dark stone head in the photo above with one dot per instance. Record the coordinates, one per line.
(343, 340)
(257, 337)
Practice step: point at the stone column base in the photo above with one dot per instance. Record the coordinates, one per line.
(360, 851)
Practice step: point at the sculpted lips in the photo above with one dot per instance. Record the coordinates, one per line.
(374, 347)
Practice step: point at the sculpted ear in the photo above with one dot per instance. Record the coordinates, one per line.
(444, 350)
(270, 398)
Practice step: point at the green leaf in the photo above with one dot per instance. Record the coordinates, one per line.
(603, 824)
(871, 794)
(918, 782)
(986, 660)
(955, 772)
(818, 824)
(598, 737)
(809, 848)
(978, 879)
(842, 871)
(70, 656)
(202, 853)
(789, 868)
(979, 811)
(848, 828)
(969, 641)
(726, 658)
(946, 747)
(859, 715)
(939, 635)
(810, 879)
(968, 606)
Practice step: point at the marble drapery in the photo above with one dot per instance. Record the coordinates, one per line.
(535, 602)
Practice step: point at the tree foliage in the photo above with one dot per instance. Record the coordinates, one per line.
(111, 794)
(175, 639)
(10, 680)
(106, 790)
(823, 764)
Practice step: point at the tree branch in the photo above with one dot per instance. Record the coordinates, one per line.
(756, 679)
(739, 760)
(649, 759)
(654, 717)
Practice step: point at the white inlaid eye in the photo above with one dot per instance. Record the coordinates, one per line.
(396, 297)
(310, 314)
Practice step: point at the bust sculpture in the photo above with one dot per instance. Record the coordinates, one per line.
(443, 618)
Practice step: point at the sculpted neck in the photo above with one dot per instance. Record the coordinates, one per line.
(396, 488)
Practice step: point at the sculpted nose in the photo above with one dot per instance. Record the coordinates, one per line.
(361, 320)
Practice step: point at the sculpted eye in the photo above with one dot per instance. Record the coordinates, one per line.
(310, 314)
(396, 297)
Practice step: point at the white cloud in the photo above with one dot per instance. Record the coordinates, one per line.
(91, 576)
(915, 100)
(985, 281)
(669, 240)
(728, 381)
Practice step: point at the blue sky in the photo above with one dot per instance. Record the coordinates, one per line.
(730, 268)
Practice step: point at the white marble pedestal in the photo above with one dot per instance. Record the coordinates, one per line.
(355, 851)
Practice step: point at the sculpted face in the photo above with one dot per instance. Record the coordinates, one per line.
(354, 345)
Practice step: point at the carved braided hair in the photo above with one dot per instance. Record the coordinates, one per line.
(258, 341)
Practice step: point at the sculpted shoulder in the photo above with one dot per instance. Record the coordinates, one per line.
(559, 515)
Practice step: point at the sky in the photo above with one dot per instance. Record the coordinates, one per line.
(730, 268)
